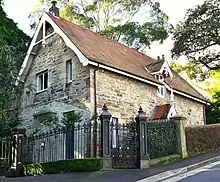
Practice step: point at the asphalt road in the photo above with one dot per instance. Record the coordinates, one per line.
(209, 173)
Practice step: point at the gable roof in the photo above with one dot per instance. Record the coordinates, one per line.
(161, 112)
(101, 50)
(155, 66)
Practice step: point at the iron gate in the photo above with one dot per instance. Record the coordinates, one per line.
(125, 145)
(5, 154)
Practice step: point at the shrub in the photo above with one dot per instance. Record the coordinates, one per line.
(64, 166)
(202, 139)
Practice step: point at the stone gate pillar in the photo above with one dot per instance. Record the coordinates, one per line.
(105, 138)
(180, 136)
(141, 119)
(17, 154)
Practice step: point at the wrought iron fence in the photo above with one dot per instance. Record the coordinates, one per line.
(78, 142)
(71, 142)
(162, 139)
(5, 153)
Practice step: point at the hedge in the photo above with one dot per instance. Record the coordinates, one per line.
(202, 139)
(63, 166)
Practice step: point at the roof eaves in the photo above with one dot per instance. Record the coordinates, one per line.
(125, 73)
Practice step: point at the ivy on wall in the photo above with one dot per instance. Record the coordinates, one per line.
(46, 117)
(70, 118)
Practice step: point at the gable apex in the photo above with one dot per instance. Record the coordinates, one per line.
(35, 42)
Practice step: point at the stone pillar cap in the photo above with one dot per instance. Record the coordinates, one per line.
(178, 117)
(141, 114)
(18, 130)
(105, 113)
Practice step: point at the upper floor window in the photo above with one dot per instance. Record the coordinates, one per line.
(160, 77)
(42, 81)
(69, 71)
(161, 91)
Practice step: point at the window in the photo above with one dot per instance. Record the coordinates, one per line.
(161, 91)
(159, 77)
(42, 81)
(28, 98)
(69, 73)
(114, 132)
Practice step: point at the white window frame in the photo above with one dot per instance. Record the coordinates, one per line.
(43, 81)
(161, 92)
(69, 71)
(114, 121)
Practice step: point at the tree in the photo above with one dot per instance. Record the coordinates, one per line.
(13, 46)
(212, 82)
(194, 71)
(213, 111)
(198, 35)
(117, 19)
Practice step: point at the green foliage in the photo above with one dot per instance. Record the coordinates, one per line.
(64, 166)
(193, 70)
(71, 118)
(213, 111)
(202, 139)
(162, 139)
(212, 80)
(46, 117)
(197, 36)
(13, 46)
(117, 19)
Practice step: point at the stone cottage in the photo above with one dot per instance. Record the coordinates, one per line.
(68, 68)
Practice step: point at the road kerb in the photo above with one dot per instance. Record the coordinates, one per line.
(171, 173)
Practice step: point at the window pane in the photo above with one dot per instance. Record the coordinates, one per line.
(45, 80)
(69, 71)
(40, 82)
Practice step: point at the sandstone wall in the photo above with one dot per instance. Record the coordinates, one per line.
(124, 95)
(59, 97)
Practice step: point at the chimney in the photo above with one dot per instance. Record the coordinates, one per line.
(54, 10)
(158, 58)
(163, 57)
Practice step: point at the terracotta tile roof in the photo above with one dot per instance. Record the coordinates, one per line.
(161, 112)
(102, 50)
(154, 67)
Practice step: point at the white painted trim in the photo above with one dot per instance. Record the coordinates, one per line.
(189, 96)
(172, 112)
(124, 73)
(185, 95)
(67, 41)
(85, 61)
(57, 30)
(48, 36)
(165, 65)
(24, 64)
(144, 80)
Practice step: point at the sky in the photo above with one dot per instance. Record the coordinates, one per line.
(18, 10)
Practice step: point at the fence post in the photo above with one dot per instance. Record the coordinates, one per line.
(70, 141)
(105, 140)
(180, 134)
(17, 155)
(143, 157)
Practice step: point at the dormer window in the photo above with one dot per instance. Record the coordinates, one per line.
(160, 70)
(159, 77)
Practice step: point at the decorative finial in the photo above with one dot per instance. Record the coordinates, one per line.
(104, 108)
(140, 110)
